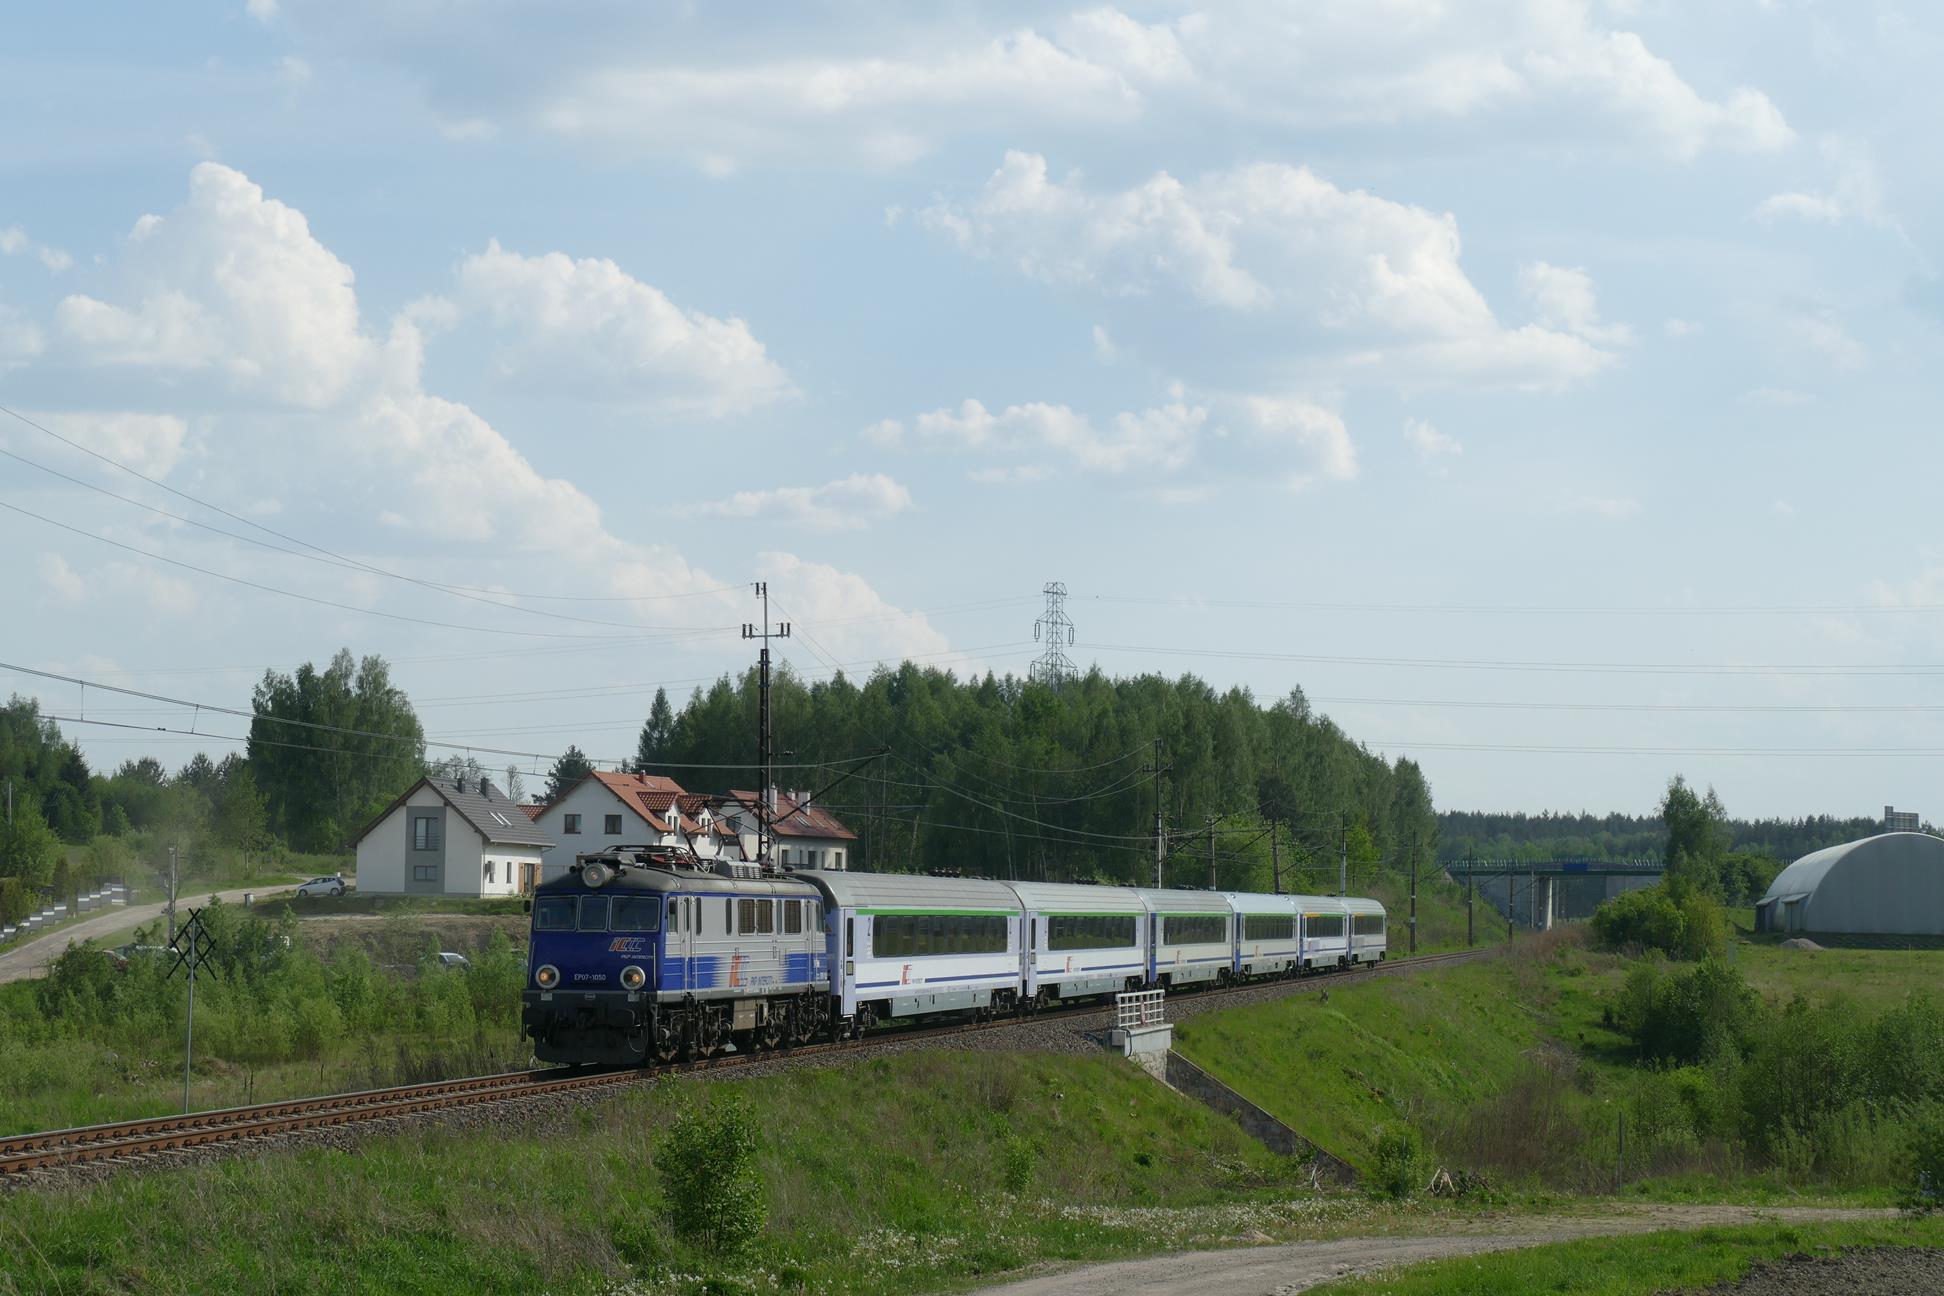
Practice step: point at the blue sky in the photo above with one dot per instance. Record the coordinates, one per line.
(1372, 349)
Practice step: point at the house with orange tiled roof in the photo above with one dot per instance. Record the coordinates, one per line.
(607, 809)
(806, 835)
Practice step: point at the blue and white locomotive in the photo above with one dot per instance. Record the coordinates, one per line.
(642, 955)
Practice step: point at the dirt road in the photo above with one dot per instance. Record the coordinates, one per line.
(31, 959)
(1298, 1266)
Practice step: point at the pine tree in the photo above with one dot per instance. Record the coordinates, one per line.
(652, 748)
(571, 768)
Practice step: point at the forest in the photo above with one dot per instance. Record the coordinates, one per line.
(1559, 835)
(991, 776)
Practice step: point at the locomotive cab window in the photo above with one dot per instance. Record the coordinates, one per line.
(553, 913)
(793, 917)
(594, 913)
(634, 913)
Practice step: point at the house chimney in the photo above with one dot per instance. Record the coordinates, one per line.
(485, 788)
(458, 782)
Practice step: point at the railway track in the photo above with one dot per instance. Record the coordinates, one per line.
(130, 1141)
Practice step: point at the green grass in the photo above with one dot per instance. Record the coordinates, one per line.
(353, 903)
(1874, 978)
(1381, 1052)
(959, 1166)
(1633, 1266)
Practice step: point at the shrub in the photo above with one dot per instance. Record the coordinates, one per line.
(1645, 919)
(1704, 928)
(1924, 1187)
(1691, 1016)
(1398, 1163)
(711, 1189)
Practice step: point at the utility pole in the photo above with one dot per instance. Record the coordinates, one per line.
(1158, 768)
(1470, 881)
(1211, 850)
(175, 884)
(1413, 892)
(765, 754)
(1275, 857)
(1343, 857)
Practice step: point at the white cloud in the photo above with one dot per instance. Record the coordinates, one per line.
(1303, 432)
(382, 447)
(1431, 445)
(1820, 330)
(1376, 274)
(581, 325)
(1564, 299)
(1160, 438)
(61, 578)
(233, 282)
(261, 10)
(1104, 349)
(1613, 509)
(1020, 474)
(20, 338)
(15, 242)
(152, 444)
(1776, 396)
(1783, 508)
(1677, 329)
(848, 504)
(863, 86)
(1855, 194)
(857, 622)
(293, 70)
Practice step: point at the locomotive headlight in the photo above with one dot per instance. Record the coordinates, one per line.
(547, 976)
(633, 978)
(596, 874)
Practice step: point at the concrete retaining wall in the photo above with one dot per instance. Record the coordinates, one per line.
(1258, 1124)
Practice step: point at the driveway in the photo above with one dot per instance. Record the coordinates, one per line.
(30, 958)
(1295, 1267)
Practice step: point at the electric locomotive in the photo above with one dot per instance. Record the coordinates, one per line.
(652, 954)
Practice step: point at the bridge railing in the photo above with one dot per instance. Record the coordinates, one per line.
(1134, 1009)
(1486, 868)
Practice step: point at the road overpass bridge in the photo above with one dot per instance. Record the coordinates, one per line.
(1532, 890)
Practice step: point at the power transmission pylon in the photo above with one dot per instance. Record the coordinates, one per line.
(1053, 667)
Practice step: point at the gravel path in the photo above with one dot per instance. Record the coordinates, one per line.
(1295, 1267)
(1888, 1271)
(32, 958)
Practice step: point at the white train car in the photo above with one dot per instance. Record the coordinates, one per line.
(1082, 940)
(1369, 937)
(1191, 936)
(1325, 932)
(1268, 941)
(902, 945)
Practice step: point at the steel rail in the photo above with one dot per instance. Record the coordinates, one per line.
(125, 1140)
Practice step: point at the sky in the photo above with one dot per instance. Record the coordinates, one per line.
(1549, 390)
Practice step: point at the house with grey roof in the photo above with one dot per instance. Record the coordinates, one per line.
(451, 836)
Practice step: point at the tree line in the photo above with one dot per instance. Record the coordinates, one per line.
(1561, 835)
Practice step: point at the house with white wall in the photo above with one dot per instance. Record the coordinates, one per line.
(805, 835)
(447, 836)
(605, 810)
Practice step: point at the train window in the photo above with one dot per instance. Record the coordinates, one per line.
(594, 913)
(793, 917)
(899, 935)
(850, 938)
(1324, 926)
(553, 913)
(1194, 929)
(672, 904)
(728, 917)
(1368, 924)
(1088, 931)
(634, 913)
(1268, 927)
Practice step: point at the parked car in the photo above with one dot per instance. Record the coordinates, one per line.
(450, 959)
(322, 886)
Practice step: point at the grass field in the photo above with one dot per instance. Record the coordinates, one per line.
(1633, 1266)
(353, 903)
(899, 1174)
(1872, 977)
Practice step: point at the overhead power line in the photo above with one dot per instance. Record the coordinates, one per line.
(1524, 609)
(1590, 668)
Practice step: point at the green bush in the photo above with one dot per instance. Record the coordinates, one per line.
(711, 1190)
(1924, 1186)
(1644, 919)
(1398, 1163)
(1688, 1017)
